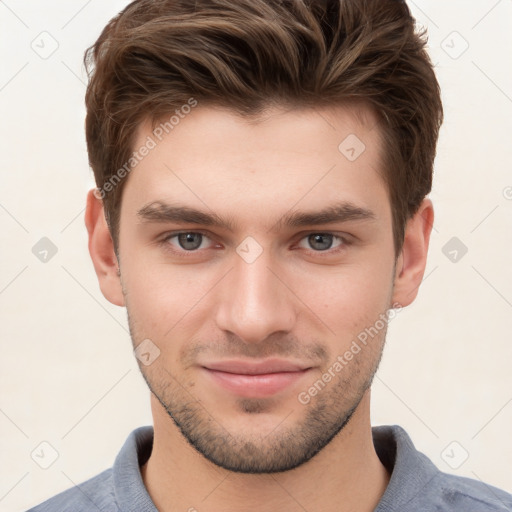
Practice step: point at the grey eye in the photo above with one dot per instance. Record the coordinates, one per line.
(190, 241)
(320, 241)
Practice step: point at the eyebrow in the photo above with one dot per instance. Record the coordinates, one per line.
(159, 211)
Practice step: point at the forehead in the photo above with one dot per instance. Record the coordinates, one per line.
(215, 159)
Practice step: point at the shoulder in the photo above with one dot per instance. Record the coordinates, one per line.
(417, 484)
(96, 493)
(115, 489)
(450, 492)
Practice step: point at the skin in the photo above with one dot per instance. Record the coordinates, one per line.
(298, 300)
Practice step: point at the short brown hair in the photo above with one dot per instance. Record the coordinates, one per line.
(156, 55)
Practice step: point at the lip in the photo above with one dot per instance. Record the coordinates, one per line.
(253, 379)
(261, 367)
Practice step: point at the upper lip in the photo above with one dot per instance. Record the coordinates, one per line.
(261, 367)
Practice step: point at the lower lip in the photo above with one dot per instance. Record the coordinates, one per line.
(254, 386)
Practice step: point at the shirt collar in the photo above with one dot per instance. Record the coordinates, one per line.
(410, 470)
(129, 489)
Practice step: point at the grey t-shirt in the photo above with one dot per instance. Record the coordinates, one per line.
(416, 485)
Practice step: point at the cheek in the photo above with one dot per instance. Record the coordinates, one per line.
(160, 296)
(350, 300)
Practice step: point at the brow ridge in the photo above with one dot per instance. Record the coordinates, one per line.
(159, 211)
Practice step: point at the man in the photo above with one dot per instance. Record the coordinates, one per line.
(262, 170)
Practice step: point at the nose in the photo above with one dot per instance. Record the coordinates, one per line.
(255, 301)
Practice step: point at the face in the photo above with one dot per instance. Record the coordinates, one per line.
(252, 257)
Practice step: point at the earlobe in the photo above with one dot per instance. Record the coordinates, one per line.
(101, 249)
(410, 265)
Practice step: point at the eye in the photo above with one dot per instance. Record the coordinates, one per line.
(322, 241)
(187, 240)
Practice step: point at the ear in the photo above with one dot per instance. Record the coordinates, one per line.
(410, 265)
(101, 249)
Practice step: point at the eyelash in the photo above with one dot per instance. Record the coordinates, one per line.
(184, 253)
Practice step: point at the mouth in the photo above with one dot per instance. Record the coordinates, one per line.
(255, 379)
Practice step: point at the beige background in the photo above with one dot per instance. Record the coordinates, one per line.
(67, 374)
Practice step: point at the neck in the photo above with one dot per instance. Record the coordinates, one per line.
(346, 475)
